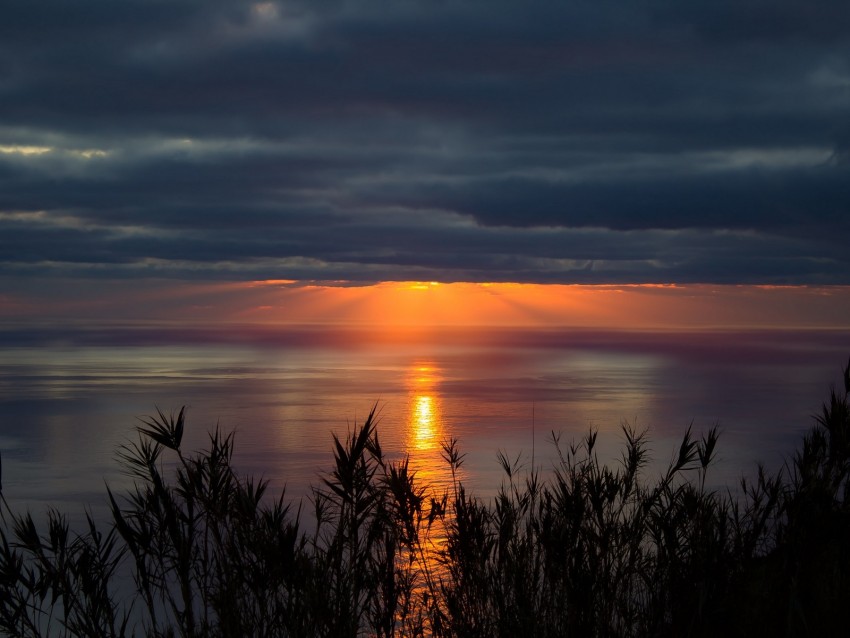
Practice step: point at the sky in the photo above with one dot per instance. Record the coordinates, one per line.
(289, 160)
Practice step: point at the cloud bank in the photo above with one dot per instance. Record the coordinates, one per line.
(594, 142)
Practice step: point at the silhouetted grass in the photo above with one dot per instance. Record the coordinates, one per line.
(587, 550)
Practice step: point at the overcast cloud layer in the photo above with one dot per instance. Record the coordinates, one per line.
(587, 142)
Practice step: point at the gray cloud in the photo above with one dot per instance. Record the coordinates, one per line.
(581, 142)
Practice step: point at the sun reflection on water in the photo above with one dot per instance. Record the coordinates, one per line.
(422, 423)
(425, 432)
(425, 427)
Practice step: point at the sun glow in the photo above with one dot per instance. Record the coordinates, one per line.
(416, 306)
(395, 310)
(412, 304)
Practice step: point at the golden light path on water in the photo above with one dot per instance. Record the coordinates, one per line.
(426, 430)
(423, 422)
(424, 437)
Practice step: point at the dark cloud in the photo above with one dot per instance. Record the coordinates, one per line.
(577, 142)
(757, 199)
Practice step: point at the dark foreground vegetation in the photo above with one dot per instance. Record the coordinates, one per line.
(587, 550)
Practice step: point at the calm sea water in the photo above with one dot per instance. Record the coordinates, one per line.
(69, 398)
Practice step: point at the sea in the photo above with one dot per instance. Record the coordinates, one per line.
(72, 396)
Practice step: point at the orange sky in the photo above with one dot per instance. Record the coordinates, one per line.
(640, 307)
(422, 304)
